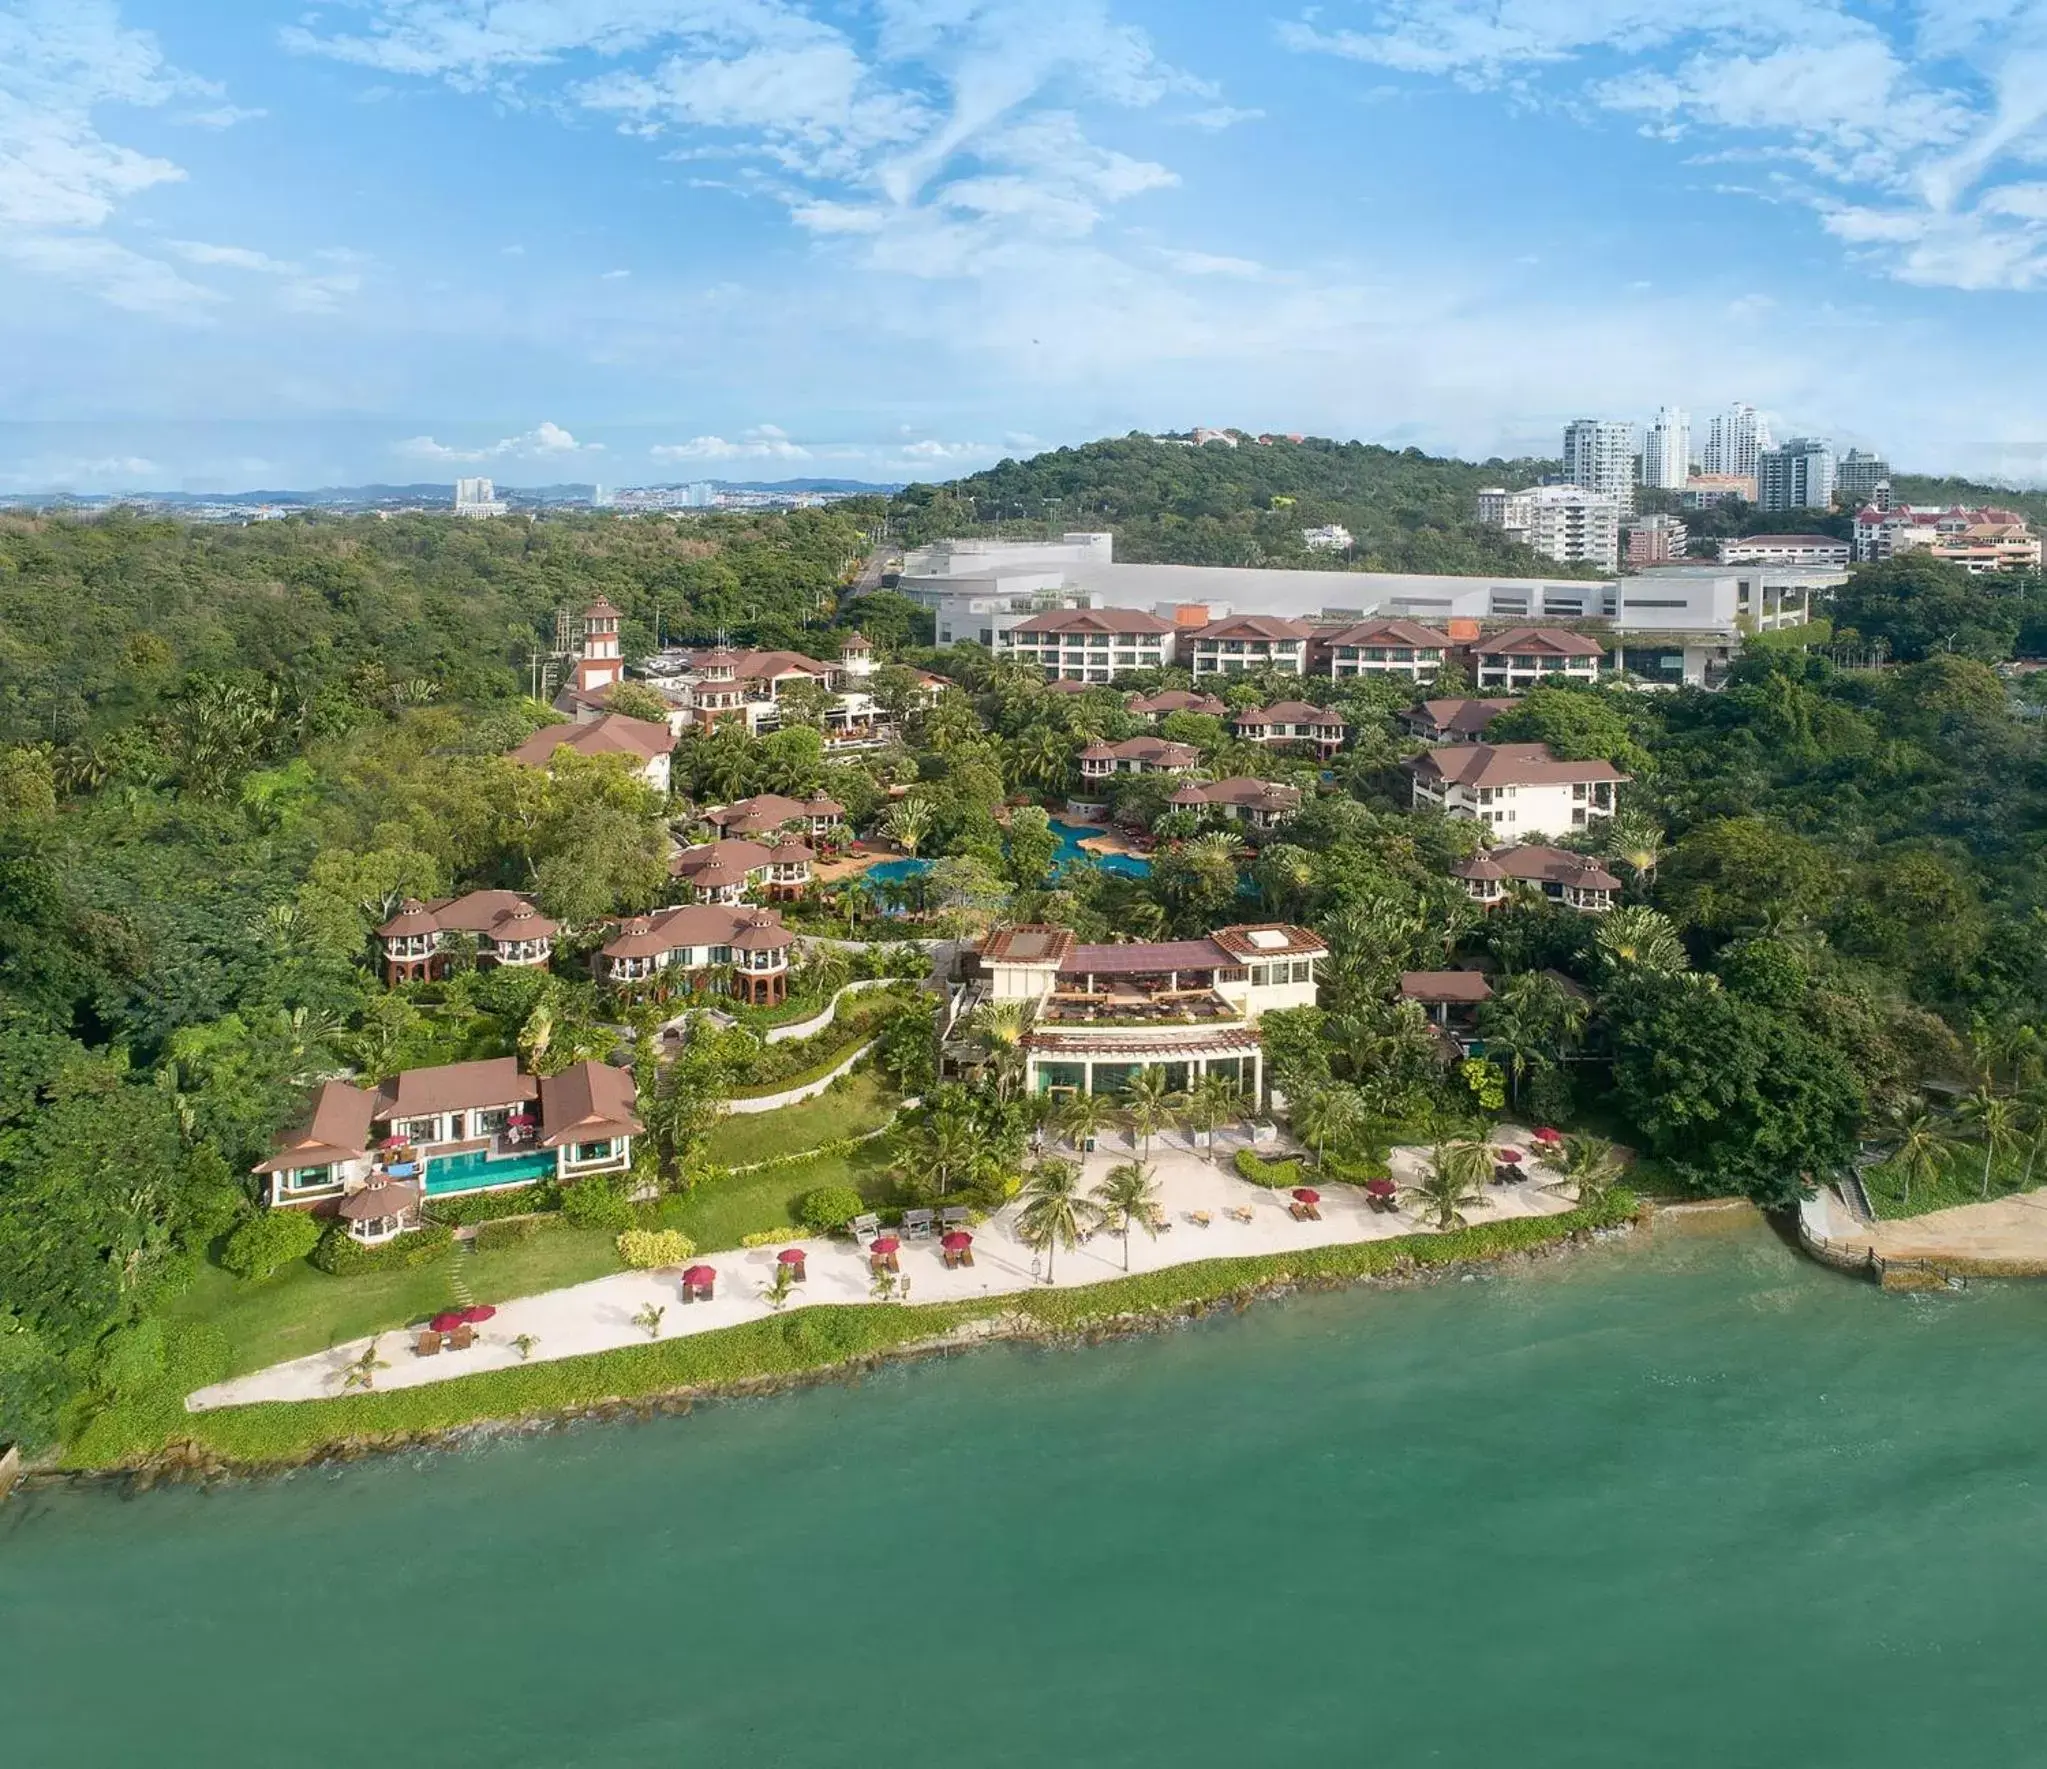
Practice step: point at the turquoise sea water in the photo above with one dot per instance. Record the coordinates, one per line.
(1695, 1503)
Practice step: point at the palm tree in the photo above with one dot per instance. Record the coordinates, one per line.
(1640, 939)
(1452, 1182)
(907, 824)
(1925, 1151)
(649, 1317)
(1042, 755)
(1055, 1214)
(1637, 844)
(1592, 1168)
(1330, 1114)
(1997, 1127)
(1149, 1104)
(1213, 1100)
(999, 1028)
(362, 1371)
(1084, 1116)
(1129, 1198)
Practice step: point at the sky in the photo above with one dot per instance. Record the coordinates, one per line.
(637, 241)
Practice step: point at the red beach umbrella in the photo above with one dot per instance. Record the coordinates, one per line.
(1510, 1156)
(477, 1313)
(1546, 1134)
(791, 1256)
(1379, 1188)
(448, 1321)
(1307, 1194)
(698, 1276)
(392, 1142)
(522, 1119)
(957, 1242)
(884, 1244)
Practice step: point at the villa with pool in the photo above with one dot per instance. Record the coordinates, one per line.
(373, 1154)
(1189, 1007)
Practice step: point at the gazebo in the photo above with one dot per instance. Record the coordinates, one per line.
(380, 1213)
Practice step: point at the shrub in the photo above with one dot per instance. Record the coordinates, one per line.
(265, 1242)
(340, 1257)
(1280, 1176)
(494, 1237)
(489, 1206)
(596, 1203)
(767, 1237)
(647, 1249)
(830, 1208)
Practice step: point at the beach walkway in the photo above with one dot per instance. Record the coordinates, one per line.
(598, 1316)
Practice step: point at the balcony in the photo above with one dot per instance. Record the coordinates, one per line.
(1136, 1006)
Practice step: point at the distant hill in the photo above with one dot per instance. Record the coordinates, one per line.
(1171, 503)
(1920, 488)
(430, 492)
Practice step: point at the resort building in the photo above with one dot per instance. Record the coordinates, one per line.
(676, 947)
(419, 942)
(1189, 1007)
(1247, 643)
(1785, 549)
(1288, 722)
(1136, 755)
(1523, 656)
(1514, 789)
(1451, 998)
(713, 687)
(820, 818)
(1980, 540)
(1263, 804)
(1090, 645)
(724, 871)
(643, 742)
(1381, 648)
(1454, 720)
(1576, 880)
(1154, 707)
(372, 1154)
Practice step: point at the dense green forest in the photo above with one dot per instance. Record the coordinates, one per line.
(1216, 505)
(225, 753)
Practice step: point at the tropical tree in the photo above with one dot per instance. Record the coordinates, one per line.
(362, 1371)
(907, 824)
(1636, 843)
(1452, 1182)
(1592, 1168)
(1129, 1198)
(1925, 1150)
(999, 1028)
(1995, 1117)
(1084, 1116)
(1640, 939)
(1213, 1101)
(1149, 1105)
(1042, 757)
(1330, 1114)
(1055, 1213)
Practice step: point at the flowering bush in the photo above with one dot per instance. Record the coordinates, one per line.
(647, 1249)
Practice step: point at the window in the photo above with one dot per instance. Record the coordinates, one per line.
(308, 1179)
(1303, 970)
(593, 1151)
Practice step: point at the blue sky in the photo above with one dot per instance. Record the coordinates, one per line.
(635, 240)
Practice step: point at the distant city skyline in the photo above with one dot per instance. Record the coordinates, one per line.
(620, 240)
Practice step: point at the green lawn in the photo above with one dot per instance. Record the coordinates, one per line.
(719, 1213)
(858, 1104)
(301, 1310)
(1962, 1183)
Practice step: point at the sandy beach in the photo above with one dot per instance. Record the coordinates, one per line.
(598, 1316)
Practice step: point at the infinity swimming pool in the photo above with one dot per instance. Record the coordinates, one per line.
(475, 1171)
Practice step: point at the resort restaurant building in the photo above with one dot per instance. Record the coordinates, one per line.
(1189, 1007)
(441, 1132)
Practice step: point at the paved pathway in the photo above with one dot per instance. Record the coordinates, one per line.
(598, 1316)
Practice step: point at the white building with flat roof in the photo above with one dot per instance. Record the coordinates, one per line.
(1599, 456)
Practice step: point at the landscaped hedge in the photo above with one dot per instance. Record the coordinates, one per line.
(283, 1431)
(341, 1257)
(494, 1237)
(478, 1207)
(1280, 1176)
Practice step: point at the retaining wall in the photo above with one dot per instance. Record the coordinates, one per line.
(772, 1102)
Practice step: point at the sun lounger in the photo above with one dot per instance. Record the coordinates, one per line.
(429, 1344)
(462, 1338)
(966, 1256)
(1299, 1212)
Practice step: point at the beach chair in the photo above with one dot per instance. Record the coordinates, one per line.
(949, 1256)
(462, 1338)
(966, 1256)
(1301, 1212)
(428, 1344)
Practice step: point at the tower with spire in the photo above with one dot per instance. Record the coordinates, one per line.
(599, 664)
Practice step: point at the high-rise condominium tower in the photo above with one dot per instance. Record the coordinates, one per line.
(1667, 450)
(1599, 456)
(1734, 441)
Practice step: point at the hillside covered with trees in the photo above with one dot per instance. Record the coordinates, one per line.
(1175, 504)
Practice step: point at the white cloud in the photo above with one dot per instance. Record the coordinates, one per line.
(1883, 125)
(1211, 264)
(1222, 116)
(298, 289)
(614, 276)
(765, 442)
(223, 116)
(545, 441)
